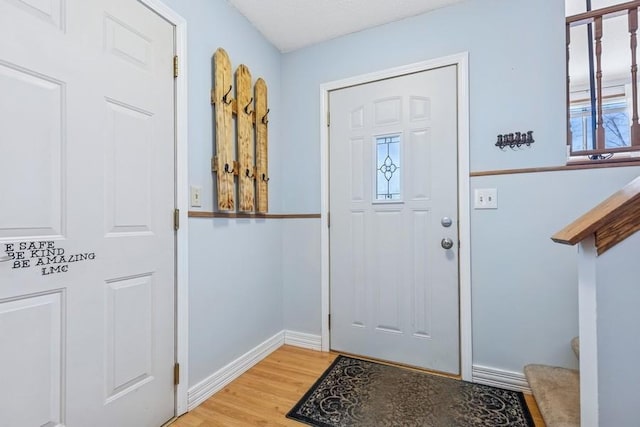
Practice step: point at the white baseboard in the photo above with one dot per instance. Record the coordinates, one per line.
(300, 339)
(218, 380)
(500, 378)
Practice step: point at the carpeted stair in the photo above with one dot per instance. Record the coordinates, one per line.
(557, 392)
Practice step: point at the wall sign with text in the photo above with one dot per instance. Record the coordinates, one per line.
(44, 255)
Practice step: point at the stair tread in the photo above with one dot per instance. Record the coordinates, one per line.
(575, 345)
(557, 393)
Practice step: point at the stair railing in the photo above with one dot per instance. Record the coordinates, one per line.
(595, 19)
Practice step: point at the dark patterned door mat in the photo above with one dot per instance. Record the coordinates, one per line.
(354, 392)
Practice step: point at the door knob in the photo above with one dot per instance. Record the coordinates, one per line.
(446, 243)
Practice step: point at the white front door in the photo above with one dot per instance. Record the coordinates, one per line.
(393, 199)
(87, 253)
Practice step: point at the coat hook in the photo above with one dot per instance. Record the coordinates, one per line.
(264, 178)
(246, 107)
(264, 118)
(224, 98)
(248, 175)
(529, 138)
(226, 168)
(515, 140)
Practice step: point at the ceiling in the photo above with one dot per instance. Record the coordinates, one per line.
(293, 24)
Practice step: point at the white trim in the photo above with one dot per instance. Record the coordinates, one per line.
(588, 331)
(462, 61)
(464, 225)
(216, 382)
(324, 217)
(508, 380)
(182, 200)
(300, 339)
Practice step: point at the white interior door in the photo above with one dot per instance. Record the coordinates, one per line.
(87, 286)
(393, 199)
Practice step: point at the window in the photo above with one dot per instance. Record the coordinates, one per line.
(602, 116)
(388, 168)
(617, 129)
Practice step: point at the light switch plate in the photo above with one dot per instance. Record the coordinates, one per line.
(486, 198)
(196, 196)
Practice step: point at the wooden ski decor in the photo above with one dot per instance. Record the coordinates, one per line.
(244, 123)
(262, 119)
(252, 116)
(223, 163)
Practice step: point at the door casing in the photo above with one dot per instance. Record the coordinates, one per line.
(182, 199)
(462, 62)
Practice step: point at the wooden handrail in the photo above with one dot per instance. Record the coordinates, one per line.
(585, 16)
(612, 221)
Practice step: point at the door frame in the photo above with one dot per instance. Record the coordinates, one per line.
(181, 201)
(461, 60)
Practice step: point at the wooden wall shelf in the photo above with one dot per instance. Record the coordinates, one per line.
(571, 166)
(240, 215)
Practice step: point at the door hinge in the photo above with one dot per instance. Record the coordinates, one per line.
(328, 219)
(175, 67)
(176, 219)
(329, 321)
(176, 374)
(328, 118)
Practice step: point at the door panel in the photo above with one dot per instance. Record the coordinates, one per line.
(128, 336)
(128, 172)
(35, 359)
(32, 153)
(49, 11)
(393, 177)
(420, 164)
(422, 308)
(384, 255)
(87, 182)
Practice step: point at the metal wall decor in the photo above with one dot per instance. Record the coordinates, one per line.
(513, 140)
(249, 172)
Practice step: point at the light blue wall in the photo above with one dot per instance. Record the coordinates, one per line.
(235, 267)
(524, 287)
(618, 299)
(213, 24)
(301, 275)
(516, 81)
(250, 279)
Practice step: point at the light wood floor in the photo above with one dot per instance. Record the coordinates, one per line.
(264, 394)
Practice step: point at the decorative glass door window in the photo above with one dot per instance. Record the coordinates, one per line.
(388, 182)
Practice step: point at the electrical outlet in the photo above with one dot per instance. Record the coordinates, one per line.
(196, 193)
(486, 198)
